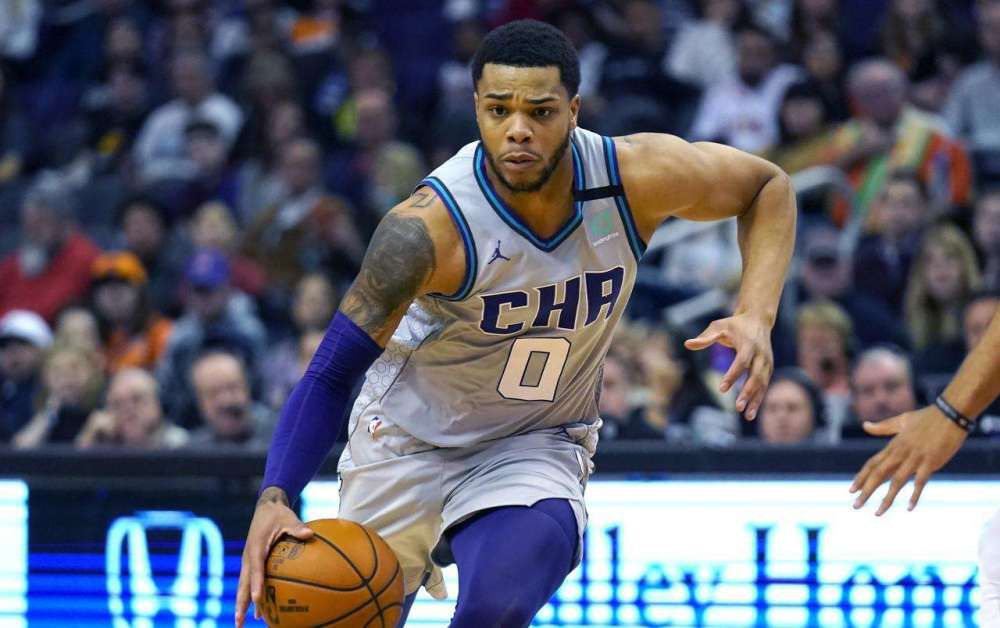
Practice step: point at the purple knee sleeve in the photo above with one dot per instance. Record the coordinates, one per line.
(314, 411)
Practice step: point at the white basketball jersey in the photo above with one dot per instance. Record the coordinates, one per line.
(519, 347)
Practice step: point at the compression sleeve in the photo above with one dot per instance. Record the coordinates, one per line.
(314, 411)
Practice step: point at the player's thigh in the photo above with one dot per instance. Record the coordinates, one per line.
(401, 501)
(517, 471)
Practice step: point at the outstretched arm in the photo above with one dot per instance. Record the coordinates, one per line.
(925, 440)
(665, 176)
(412, 253)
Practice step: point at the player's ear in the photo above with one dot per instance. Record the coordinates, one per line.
(574, 111)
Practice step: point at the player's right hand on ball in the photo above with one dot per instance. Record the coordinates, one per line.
(272, 518)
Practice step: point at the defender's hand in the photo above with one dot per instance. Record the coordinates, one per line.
(925, 440)
(271, 519)
(751, 338)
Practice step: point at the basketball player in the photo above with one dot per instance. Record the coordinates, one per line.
(925, 440)
(479, 321)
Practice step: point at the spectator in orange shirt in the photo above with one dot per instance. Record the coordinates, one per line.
(133, 334)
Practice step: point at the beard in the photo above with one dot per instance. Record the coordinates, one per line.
(543, 177)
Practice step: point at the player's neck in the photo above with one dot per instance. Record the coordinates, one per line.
(548, 209)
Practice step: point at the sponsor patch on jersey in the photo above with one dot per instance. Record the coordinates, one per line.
(601, 227)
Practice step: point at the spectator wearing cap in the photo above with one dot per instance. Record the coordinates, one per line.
(881, 387)
(827, 275)
(883, 258)
(215, 316)
(160, 149)
(145, 232)
(73, 380)
(792, 413)
(133, 334)
(231, 417)
(51, 267)
(132, 417)
(24, 339)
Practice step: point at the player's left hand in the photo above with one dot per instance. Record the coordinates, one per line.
(924, 441)
(750, 336)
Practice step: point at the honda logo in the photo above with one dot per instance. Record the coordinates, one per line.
(182, 600)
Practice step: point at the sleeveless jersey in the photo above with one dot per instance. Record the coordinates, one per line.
(519, 347)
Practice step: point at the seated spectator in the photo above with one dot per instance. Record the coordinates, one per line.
(215, 316)
(308, 229)
(24, 339)
(640, 91)
(971, 108)
(662, 401)
(823, 337)
(883, 258)
(703, 51)
(313, 306)
(943, 277)
(229, 414)
(823, 61)
(77, 326)
(133, 334)
(986, 233)
(114, 115)
(743, 111)
(213, 227)
(145, 232)
(14, 133)
(261, 185)
(616, 405)
(132, 417)
(160, 147)
(803, 120)
(881, 387)
(51, 268)
(214, 179)
(792, 412)
(381, 169)
(826, 274)
(73, 382)
(887, 135)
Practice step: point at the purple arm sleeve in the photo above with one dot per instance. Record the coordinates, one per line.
(313, 413)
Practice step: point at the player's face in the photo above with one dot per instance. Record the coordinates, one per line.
(525, 117)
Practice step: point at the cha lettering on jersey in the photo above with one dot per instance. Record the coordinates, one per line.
(563, 305)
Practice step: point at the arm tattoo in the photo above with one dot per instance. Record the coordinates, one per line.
(273, 495)
(399, 259)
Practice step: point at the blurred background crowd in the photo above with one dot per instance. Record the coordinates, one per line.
(188, 186)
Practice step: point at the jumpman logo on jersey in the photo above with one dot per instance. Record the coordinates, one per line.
(497, 255)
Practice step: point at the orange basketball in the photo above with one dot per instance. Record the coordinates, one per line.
(344, 576)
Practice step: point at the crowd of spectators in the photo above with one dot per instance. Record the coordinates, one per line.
(188, 186)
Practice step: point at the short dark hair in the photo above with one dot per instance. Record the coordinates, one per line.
(529, 44)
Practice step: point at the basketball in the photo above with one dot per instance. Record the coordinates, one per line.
(344, 576)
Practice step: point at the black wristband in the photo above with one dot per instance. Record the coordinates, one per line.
(957, 417)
